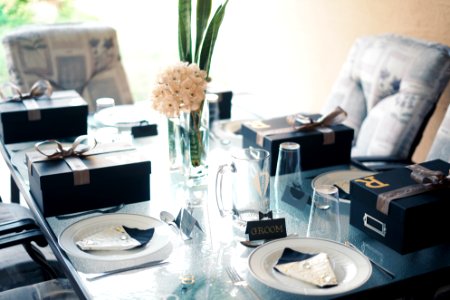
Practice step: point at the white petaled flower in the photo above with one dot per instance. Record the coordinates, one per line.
(180, 87)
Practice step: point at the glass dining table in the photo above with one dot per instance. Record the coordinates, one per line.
(200, 267)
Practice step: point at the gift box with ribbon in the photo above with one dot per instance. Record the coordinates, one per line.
(82, 177)
(42, 114)
(407, 208)
(323, 141)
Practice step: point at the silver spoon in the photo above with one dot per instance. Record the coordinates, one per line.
(257, 243)
(169, 219)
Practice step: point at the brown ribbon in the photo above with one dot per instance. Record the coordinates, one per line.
(40, 88)
(427, 180)
(70, 155)
(335, 117)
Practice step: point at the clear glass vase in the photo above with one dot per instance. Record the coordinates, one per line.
(174, 139)
(194, 133)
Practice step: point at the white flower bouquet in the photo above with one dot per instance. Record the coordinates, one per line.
(181, 88)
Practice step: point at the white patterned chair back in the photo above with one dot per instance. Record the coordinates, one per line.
(82, 56)
(389, 87)
(440, 149)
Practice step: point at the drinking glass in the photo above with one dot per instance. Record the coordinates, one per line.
(288, 177)
(102, 103)
(250, 177)
(103, 133)
(324, 221)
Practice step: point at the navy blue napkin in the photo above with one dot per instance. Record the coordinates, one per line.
(289, 255)
(143, 236)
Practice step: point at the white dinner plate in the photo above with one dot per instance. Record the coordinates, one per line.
(351, 267)
(340, 178)
(159, 247)
(122, 116)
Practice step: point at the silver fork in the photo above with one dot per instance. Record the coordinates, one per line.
(238, 281)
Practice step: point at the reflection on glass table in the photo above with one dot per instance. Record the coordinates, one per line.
(196, 267)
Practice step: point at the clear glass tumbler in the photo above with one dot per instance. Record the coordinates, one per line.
(102, 103)
(288, 177)
(324, 219)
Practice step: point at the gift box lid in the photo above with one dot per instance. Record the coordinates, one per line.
(320, 147)
(15, 111)
(388, 181)
(57, 171)
(251, 129)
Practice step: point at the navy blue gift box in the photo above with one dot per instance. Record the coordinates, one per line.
(314, 153)
(62, 115)
(413, 222)
(115, 177)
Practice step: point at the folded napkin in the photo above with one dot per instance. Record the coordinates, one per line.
(116, 237)
(186, 222)
(312, 268)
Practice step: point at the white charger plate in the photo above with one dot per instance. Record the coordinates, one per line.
(351, 267)
(122, 116)
(341, 178)
(159, 247)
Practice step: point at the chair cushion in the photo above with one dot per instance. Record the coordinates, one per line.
(80, 56)
(10, 212)
(389, 85)
(440, 148)
(18, 269)
(52, 289)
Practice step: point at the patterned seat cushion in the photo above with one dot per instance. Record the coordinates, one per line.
(82, 56)
(440, 149)
(389, 86)
(51, 289)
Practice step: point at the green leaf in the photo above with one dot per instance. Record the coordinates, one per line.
(210, 38)
(203, 13)
(184, 30)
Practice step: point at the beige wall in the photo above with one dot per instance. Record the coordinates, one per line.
(290, 51)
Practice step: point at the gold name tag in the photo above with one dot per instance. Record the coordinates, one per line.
(372, 183)
(266, 229)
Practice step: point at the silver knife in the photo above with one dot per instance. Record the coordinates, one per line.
(141, 266)
(380, 267)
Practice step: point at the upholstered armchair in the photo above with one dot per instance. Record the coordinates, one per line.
(389, 86)
(19, 232)
(440, 148)
(83, 56)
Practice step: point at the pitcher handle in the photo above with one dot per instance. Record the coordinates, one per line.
(219, 183)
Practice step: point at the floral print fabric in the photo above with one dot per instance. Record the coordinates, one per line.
(83, 57)
(389, 85)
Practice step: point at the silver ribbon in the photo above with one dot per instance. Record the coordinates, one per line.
(427, 180)
(40, 88)
(335, 117)
(71, 156)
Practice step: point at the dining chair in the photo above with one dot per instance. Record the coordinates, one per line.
(72, 56)
(24, 254)
(440, 148)
(389, 85)
(55, 289)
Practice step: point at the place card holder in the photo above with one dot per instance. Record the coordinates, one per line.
(144, 129)
(186, 222)
(266, 228)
